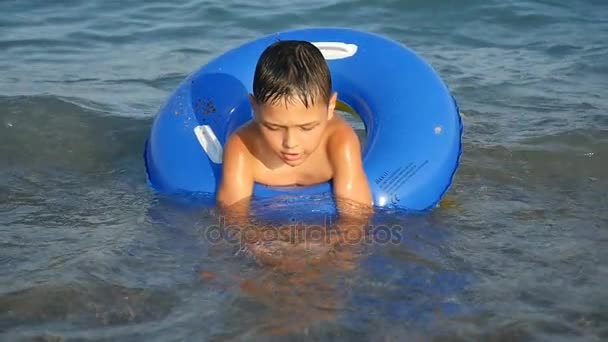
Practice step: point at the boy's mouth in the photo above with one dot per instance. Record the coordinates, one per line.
(291, 156)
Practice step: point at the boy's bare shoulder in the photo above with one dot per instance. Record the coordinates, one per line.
(349, 177)
(342, 137)
(237, 174)
(240, 143)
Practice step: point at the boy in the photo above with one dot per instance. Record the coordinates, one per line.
(295, 137)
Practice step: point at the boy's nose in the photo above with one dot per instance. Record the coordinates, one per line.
(289, 140)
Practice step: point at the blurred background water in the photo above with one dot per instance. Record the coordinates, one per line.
(517, 251)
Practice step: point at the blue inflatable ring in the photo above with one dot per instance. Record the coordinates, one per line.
(413, 127)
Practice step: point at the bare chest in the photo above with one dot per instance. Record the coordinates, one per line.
(316, 169)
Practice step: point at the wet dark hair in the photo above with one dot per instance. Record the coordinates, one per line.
(291, 69)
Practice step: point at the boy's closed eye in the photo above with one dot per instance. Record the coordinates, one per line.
(306, 127)
(272, 128)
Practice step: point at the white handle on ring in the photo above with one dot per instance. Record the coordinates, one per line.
(336, 50)
(209, 142)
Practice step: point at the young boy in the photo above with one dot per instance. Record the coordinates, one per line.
(295, 137)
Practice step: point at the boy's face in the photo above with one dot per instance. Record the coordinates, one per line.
(292, 130)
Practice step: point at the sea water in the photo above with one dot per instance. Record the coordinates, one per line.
(517, 250)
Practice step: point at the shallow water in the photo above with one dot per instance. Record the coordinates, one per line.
(517, 250)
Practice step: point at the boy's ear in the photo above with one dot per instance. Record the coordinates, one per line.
(332, 105)
(254, 104)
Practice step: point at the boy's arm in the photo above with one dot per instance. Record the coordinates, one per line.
(353, 197)
(349, 180)
(236, 185)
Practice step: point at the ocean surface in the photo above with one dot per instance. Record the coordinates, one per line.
(518, 249)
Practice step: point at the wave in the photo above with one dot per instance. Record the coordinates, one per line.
(51, 131)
